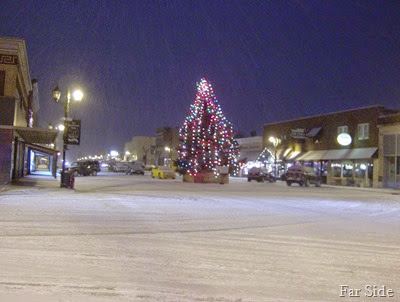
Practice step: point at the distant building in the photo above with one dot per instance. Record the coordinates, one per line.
(141, 148)
(250, 149)
(20, 140)
(167, 140)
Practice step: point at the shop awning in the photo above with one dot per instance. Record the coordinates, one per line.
(313, 155)
(42, 149)
(34, 135)
(293, 155)
(313, 132)
(356, 153)
(282, 154)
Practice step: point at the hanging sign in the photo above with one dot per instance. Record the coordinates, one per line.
(344, 139)
(72, 132)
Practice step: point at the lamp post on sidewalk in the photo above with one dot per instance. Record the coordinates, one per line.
(77, 95)
(275, 141)
(169, 150)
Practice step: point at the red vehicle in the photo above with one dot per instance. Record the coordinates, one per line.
(259, 175)
(302, 175)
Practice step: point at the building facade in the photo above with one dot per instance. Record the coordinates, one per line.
(389, 151)
(20, 139)
(249, 151)
(167, 140)
(342, 146)
(141, 148)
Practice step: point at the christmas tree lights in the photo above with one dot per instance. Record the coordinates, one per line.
(206, 137)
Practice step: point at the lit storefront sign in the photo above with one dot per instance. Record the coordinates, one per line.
(344, 139)
(299, 133)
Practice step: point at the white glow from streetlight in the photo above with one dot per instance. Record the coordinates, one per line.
(272, 139)
(61, 127)
(114, 153)
(77, 95)
(128, 153)
(167, 149)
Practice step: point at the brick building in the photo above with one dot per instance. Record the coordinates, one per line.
(342, 146)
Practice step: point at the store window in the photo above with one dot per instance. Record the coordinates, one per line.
(348, 169)
(361, 169)
(363, 131)
(342, 129)
(336, 169)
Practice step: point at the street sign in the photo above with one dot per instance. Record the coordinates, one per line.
(72, 132)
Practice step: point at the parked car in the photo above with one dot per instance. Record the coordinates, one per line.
(85, 168)
(163, 172)
(260, 175)
(302, 175)
(110, 164)
(120, 166)
(135, 168)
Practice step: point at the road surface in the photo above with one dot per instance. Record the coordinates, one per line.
(133, 238)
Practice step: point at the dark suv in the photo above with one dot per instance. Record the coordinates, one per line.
(302, 175)
(85, 168)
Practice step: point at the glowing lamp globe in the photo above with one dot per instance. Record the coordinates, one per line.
(77, 95)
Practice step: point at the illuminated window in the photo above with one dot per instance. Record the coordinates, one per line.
(347, 169)
(342, 129)
(363, 131)
(336, 169)
(360, 170)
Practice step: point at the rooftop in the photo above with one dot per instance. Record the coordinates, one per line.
(331, 113)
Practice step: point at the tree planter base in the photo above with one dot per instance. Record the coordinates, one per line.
(207, 177)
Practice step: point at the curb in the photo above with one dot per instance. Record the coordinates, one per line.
(375, 190)
(5, 188)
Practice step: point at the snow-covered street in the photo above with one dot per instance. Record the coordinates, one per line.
(133, 238)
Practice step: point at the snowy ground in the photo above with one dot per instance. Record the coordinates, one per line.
(133, 238)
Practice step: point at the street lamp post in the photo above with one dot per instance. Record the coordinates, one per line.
(77, 96)
(275, 141)
(169, 150)
(127, 155)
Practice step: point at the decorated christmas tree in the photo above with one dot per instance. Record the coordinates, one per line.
(206, 137)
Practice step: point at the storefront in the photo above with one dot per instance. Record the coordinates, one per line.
(389, 152)
(351, 167)
(19, 106)
(348, 167)
(343, 147)
(21, 145)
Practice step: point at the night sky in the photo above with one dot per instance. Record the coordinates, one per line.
(138, 61)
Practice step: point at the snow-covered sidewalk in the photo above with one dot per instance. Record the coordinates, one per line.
(133, 238)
